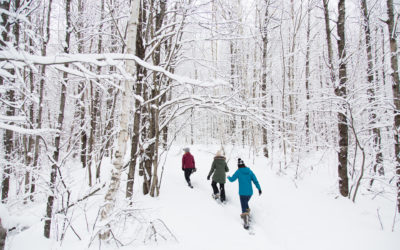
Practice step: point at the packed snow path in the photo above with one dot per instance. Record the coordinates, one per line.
(305, 214)
(284, 217)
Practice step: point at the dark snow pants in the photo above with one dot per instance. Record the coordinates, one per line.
(221, 190)
(188, 172)
(244, 202)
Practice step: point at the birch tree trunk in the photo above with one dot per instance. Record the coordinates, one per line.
(110, 198)
(396, 91)
(140, 72)
(341, 91)
(264, 35)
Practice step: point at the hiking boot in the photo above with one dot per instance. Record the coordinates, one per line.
(245, 217)
(215, 196)
(248, 212)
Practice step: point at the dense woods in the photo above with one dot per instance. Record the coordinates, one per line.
(88, 82)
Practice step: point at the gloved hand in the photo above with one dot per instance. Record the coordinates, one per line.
(259, 192)
(183, 169)
(194, 170)
(208, 177)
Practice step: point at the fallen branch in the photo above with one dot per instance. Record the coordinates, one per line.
(81, 199)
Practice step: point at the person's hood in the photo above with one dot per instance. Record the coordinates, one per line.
(244, 170)
(219, 157)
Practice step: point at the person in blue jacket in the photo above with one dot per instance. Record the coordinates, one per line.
(245, 177)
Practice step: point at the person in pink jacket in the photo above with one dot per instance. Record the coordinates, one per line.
(188, 165)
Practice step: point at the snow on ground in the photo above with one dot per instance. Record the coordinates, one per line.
(304, 214)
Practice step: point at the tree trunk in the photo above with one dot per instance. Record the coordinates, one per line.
(308, 139)
(291, 71)
(60, 120)
(341, 91)
(40, 104)
(3, 236)
(80, 103)
(97, 102)
(396, 91)
(110, 198)
(93, 155)
(264, 34)
(155, 116)
(329, 41)
(371, 89)
(30, 138)
(140, 52)
(10, 98)
(232, 82)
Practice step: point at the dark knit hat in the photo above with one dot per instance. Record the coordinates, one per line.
(240, 163)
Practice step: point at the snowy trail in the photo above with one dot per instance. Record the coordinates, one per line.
(284, 217)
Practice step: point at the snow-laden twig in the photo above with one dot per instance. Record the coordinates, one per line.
(102, 60)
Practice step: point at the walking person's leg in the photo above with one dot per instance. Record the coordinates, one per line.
(214, 187)
(243, 203)
(188, 171)
(248, 208)
(222, 191)
(186, 175)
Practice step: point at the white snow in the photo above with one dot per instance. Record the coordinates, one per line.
(304, 214)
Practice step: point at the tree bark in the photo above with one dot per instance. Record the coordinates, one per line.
(97, 102)
(329, 41)
(10, 97)
(80, 103)
(60, 120)
(396, 91)
(3, 236)
(110, 198)
(140, 72)
(308, 139)
(46, 34)
(341, 91)
(264, 35)
(371, 90)
(30, 138)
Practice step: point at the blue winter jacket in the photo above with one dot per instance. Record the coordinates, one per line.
(245, 176)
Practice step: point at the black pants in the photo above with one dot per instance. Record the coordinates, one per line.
(221, 190)
(188, 172)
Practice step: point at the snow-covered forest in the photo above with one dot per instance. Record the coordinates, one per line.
(99, 97)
